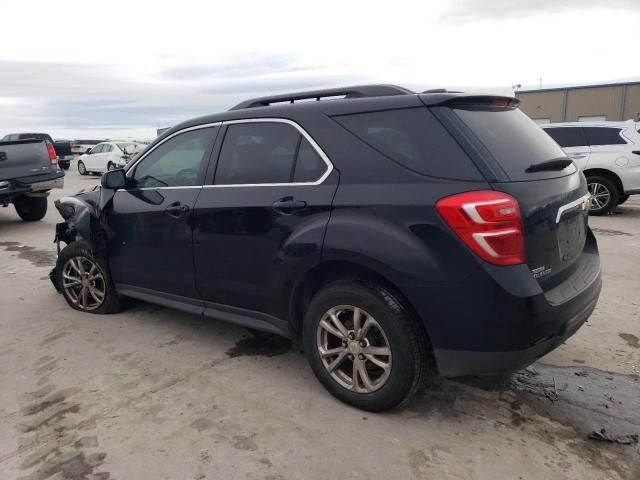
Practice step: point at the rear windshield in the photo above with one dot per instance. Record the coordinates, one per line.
(514, 140)
(413, 138)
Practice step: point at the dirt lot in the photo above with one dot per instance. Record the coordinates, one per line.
(153, 393)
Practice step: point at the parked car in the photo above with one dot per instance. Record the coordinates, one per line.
(387, 228)
(609, 155)
(108, 156)
(28, 171)
(63, 149)
(83, 146)
(61, 146)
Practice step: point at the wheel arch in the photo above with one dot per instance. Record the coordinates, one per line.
(331, 270)
(603, 172)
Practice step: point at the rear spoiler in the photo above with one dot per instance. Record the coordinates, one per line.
(465, 100)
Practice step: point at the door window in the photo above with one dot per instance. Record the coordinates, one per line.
(604, 136)
(567, 136)
(266, 153)
(106, 148)
(97, 149)
(178, 162)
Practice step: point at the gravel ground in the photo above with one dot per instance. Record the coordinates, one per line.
(153, 393)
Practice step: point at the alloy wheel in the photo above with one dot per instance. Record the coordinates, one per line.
(84, 283)
(81, 168)
(354, 349)
(600, 195)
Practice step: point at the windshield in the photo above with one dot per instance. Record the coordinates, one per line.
(514, 140)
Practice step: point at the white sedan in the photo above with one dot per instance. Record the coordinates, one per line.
(108, 156)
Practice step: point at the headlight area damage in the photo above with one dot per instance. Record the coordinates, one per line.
(84, 220)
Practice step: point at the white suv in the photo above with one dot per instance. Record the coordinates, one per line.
(609, 155)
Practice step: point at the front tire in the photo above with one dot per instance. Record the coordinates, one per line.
(84, 280)
(363, 345)
(110, 167)
(604, 195)
(82, 169)
(31, 209)
(623, 199)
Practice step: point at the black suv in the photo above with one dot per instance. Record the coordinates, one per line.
(391, 230)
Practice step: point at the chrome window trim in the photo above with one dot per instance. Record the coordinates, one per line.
(302, 131)
(142, 157)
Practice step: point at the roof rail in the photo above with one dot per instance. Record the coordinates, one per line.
(346, 92)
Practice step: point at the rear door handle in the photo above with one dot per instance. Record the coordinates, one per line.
(577, 156)
(288, 205)
(176, 210)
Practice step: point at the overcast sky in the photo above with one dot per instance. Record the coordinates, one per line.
(120, 69)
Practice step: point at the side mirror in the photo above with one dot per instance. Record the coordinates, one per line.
(114, 179)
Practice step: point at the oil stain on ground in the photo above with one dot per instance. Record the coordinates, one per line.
(263, 345)
(632, 340)
(611, 233)
(39, 258)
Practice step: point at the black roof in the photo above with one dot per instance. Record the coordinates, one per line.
(352, 99)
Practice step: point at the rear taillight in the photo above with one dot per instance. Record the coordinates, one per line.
(488, 222)
(53, 156)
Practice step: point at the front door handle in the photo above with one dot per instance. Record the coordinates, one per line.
(577, 156)
(176, 210)
(288, 205)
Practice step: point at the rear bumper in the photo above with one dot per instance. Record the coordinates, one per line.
(500, 320)
(33, 184)
(457, 363)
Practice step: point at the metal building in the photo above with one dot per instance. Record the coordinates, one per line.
(610, 102)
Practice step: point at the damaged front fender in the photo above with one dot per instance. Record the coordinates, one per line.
(84, 218)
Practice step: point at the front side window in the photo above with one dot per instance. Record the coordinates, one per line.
(265, 153)
(604, 136)
(106, 148)
(97, 149)
(178, 162)
(567, 136)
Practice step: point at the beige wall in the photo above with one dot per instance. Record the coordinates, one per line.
(582, 102)
(632, 104)
(594, 101)
(543, 104)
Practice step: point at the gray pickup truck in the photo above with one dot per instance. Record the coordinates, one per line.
(28, 170)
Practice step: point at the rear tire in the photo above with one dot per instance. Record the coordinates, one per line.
(84, 280)
(623, 199)
(82, 169)
(110, 167)
(30, 209)
(604, 195)
(382, 380)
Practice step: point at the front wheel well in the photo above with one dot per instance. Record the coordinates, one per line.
(601, 172)
(332, 271)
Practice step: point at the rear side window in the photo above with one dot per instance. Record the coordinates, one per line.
(567, 136)
(267, 152)
(414, 138)
(514, 140)
(604, 136)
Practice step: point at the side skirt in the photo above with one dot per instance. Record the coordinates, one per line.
(238, 316)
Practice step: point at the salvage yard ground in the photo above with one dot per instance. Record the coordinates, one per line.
(152, 393)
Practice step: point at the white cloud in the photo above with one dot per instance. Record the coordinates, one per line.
(76, 66)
